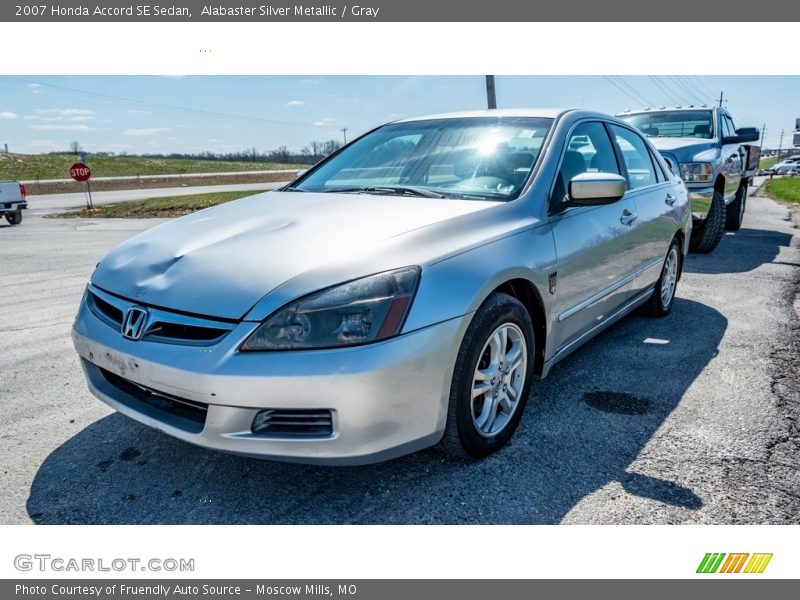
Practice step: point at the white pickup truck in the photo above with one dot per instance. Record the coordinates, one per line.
(12, 201)
(714, 158)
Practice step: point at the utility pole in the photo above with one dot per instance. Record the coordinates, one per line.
(344, 134)
(763, 133)
(780, 145)
(491, 97)
(721, 99)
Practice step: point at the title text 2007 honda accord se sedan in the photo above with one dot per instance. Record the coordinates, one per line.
(400, 294)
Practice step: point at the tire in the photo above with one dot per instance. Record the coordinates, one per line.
(706, 236)
(734, 214)
(477, 427)
(660, 303)
(14, 217)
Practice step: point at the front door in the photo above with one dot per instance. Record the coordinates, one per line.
(732, 158)
(593, 244)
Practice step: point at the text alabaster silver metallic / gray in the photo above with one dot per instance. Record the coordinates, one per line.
(407, 11)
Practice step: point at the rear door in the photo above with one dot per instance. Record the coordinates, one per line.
(594, 244)
(656, 197)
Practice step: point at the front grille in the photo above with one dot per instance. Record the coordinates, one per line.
(162, 326)
(183, 333)
(108, 312)
(302, 423)
(188, 415)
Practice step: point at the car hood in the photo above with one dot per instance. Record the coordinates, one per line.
(221, 261)
(684, 148)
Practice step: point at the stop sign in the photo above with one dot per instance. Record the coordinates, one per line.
(80, 172)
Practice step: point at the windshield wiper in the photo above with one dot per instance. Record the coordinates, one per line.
(389, 189)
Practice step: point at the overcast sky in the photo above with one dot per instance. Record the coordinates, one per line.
(222, 114)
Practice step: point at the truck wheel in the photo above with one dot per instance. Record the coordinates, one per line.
(706, 236)
(14, 217)
(734, 214)
(491, 379)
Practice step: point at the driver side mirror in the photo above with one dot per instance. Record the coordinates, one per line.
(743, 135)
(595, 189)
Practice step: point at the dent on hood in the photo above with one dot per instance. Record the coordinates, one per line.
(220, 262)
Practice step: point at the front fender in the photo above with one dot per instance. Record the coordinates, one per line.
(458, 285)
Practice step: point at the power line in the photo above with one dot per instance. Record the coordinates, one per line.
(612, 82)
(159, 106)
(679, 94)
(688, 87)
(663, 88)
(703, 88)
(635, 91)
(692, 89)
(639, 100)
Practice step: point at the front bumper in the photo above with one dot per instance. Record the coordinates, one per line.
(386, 399)
(701, 201)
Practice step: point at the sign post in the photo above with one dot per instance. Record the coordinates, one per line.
(80, 171)
(796, 141)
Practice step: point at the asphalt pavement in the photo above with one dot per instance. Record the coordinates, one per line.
(688, 419)
(49, 203)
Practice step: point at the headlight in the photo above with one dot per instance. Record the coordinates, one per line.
(365, 310)
(697, 172)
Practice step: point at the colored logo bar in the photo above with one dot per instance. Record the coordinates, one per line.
(719, 562)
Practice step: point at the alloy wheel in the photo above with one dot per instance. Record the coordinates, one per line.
(498, 380)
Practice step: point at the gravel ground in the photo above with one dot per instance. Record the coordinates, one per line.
(688, 419)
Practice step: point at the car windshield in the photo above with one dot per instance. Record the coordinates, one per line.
(674, 123)
(486, 158)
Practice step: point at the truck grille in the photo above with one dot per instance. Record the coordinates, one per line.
(188, 415)
(282, 422)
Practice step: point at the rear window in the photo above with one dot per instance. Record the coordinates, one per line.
(678, 123)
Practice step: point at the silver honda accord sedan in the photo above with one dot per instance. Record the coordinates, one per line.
(402, 293)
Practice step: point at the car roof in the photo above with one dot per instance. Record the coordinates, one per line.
(546, 113)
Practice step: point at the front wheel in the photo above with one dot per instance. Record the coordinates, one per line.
(734, 215)
(491, 379)
(707, 235)
(14, 218)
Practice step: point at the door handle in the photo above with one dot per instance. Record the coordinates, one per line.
(670, 199)
(627, 217)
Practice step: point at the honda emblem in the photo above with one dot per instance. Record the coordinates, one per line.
(134, 323)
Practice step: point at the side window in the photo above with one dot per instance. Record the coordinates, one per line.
(588, 151)
(731, 125)
(636, 156)
(727, 126)
(661, 175)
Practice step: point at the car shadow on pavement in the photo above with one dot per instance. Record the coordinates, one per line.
(583, 427)
(753, 248)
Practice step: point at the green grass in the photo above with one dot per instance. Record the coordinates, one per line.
(785, 188)
(29, 167)
(170, 206)
(766, 163)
